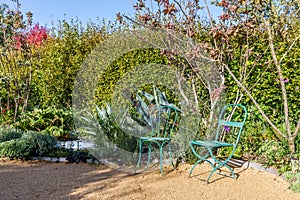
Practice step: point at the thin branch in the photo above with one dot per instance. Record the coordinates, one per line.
(279, 71)
(297, 129)
(285, 54)
(208, 12)
(180, 89)
(255, 103)
(195, 94)
(134, 21)
(210, 19)
(180, 7)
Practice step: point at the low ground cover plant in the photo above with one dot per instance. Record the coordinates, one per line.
(28, 145)
(7, 133)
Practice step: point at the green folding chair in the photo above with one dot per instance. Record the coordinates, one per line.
(230, 125)
(163, 120)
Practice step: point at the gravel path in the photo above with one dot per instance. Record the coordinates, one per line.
(46, 180)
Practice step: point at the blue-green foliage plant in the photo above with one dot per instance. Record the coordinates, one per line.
(102, 130)
(107, 134)
(113, 131)
(29, 145)
(157, 99)
(7, 134)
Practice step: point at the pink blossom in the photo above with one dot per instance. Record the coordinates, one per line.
(284, 80)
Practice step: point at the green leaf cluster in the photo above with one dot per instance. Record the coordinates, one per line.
(52, 121)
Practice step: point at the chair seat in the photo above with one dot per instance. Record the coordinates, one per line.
(211, 143)
(155, 139)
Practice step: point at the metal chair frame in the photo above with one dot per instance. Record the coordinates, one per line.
(211, 145)
(163, 120)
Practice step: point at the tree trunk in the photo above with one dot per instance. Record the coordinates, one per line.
(291, 143)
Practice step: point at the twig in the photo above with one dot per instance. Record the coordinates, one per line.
(279, 71)
(255, 102)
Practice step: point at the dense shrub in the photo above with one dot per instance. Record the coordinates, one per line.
(59, 62)
(16, 149)
(42, 143)
(7, 134)
(29, 145)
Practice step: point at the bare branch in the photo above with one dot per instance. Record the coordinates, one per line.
(208, 12)
(195, 94)
(179, 79)
(279, 71)
(285, 54)
(210, 19)
(297, 129)
(180, 7)
(255, 103)
(133, 21)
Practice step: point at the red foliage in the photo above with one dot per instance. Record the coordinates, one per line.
(19, 41)
(35, 37)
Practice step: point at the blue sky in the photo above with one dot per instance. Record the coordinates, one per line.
(46, 11)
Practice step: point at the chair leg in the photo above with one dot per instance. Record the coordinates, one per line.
(199, 161)
(149, 155)
(170, 154)
(233, 175)
(217, 164)
(201, 158)
(211, 173)
(140, 156)
(160, 158)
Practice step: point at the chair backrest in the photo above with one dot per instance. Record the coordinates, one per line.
(164, 120)
(231, 122)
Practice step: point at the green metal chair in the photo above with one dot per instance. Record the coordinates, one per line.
(163, 120)
(230, 125)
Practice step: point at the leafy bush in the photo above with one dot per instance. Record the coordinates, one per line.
(60, 60)
(294, 179)
(16, 149)
(7, 134)
(29, 145)
(272, 153)
(51, 121)
(59, 152)
(42, 144)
